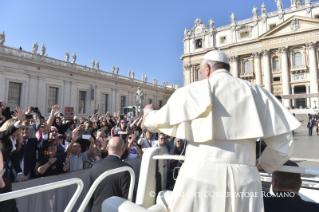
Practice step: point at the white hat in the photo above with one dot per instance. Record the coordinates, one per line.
(217, 55)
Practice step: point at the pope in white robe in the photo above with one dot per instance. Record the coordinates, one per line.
(222, 117)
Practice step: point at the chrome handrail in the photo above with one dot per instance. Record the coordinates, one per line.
(104, 175)
(292, 169)
(46, 187)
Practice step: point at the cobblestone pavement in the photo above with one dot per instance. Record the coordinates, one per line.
(306, 152)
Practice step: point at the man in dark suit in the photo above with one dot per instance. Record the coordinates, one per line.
(113, 185)
(27, 156)
(309, 126)
(286, 187)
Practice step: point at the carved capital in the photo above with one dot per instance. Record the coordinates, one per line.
(189, 66)
(265, 52)
(311, 45)
(256, 55)
(233, 58)
(283, 49)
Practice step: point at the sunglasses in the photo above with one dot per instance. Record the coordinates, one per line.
(161, 138)
(179, 141)
(129, 137)
(55, 144)
(53, 131)
(123, 122)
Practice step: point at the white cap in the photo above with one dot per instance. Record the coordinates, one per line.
(217, 55)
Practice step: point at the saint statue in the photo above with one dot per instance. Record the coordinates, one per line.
(117, 70)
(133, 74)
(232, 18)
(74, 58)
(67, 56)
(154, 81)
(255, 11)
(185, 31)
(35, 48)
(139, 97)
(263, 9)
(113, 69)
(97, 65)
(2, 37)
(143, 78)
(129, 73)
(279, 4)
(211, 24)
(43, 50)
(92, 63)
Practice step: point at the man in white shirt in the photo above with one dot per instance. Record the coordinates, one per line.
(147, 141)
(78, 157)
(161, 143)
(222, 116)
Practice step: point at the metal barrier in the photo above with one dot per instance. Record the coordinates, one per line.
(292, 169)
(46, 187)
(101, 177)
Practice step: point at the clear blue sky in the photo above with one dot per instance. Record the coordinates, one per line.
(140, 35)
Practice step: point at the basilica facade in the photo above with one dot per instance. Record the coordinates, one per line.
(34, 79)
(277, 50)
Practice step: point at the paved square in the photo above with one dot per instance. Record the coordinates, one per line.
(306, 152)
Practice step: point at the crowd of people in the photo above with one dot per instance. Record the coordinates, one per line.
(33, 146)
(313, 123)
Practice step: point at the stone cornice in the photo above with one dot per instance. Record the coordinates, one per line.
(98, 74)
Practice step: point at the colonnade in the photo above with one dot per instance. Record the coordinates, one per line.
(264, 55)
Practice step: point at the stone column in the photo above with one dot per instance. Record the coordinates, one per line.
(33, 91)
(257, 67)
(293, 100)
(2, 83)
(113, 109)
(308, 99)
(313, 71)
(234, 61)
(41, 95)
(285, 74)
(267, 74)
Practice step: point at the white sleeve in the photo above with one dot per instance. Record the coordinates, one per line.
(140, 141)
(279, 149)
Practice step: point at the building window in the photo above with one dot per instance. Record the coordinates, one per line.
(104, 103)
(297, 59)
(14, 95)
(198, 44)
(272, 26)
(160, 104)
(52, 98)
(275, 64)
(123, 101)
(82, 102)
(198, 76)
(150, 101)
(223, 39)
(316, 16)
(276, 79)
(247, 69)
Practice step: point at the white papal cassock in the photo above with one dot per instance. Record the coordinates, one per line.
(222, 117)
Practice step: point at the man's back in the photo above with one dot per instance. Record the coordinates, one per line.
(289, 204)
(114, 185)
